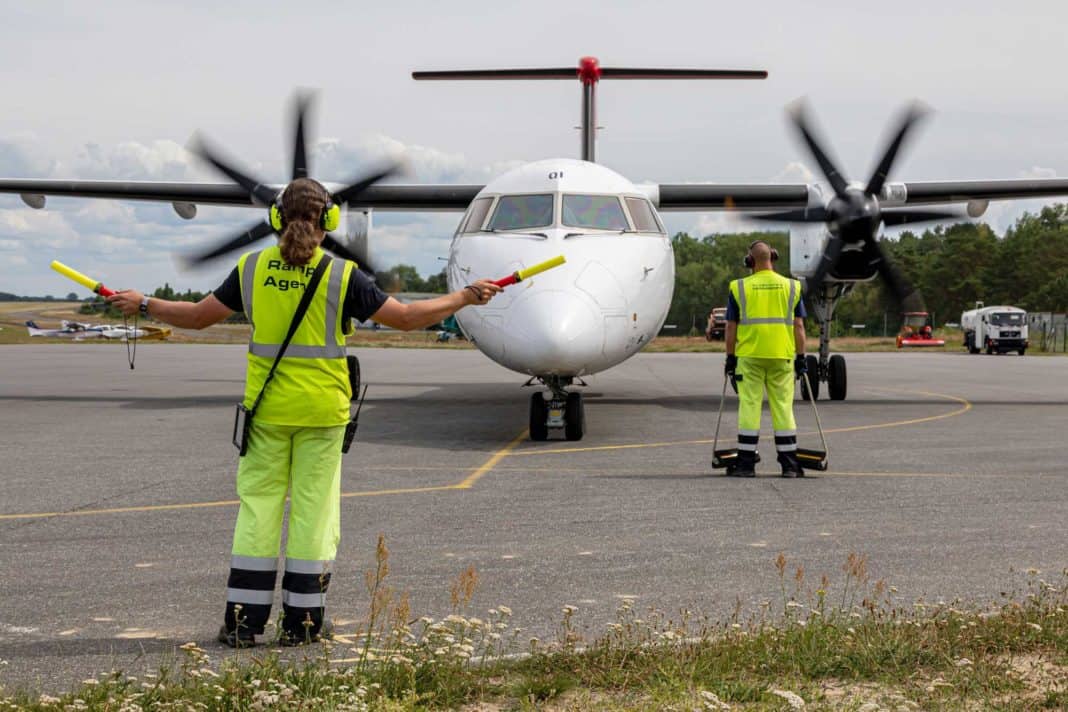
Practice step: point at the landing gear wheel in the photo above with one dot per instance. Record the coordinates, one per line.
(574, 417)
(836, 377)
(813, 365)
(539, 417)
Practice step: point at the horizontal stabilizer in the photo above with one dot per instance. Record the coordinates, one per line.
(603, 73)
(543, 73)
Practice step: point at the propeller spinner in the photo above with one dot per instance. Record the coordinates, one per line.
(264, 194)
(853, 215)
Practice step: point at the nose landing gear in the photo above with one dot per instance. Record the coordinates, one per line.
(564, 410)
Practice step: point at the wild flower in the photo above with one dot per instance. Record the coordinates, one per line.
(712, 702)
(792, 698)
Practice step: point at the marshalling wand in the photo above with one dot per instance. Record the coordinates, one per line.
(90, 284)
(530, 271)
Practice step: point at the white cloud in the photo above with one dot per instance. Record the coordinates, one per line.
(794, 172)
(131, 160)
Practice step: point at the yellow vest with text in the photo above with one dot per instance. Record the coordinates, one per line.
(310, 387)
(766, 303)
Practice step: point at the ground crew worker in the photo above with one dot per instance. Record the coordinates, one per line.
(296, 433)
(765, 341)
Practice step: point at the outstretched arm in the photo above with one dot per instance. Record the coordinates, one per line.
(185, 315)
(423, 313)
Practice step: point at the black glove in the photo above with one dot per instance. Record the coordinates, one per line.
(730, 366)
(800, 367)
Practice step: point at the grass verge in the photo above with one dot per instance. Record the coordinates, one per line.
(809, 647)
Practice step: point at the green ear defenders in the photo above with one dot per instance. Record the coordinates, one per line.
(329, 219)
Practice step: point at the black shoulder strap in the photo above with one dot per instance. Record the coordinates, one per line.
(298, 316)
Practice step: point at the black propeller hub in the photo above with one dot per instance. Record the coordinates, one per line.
(853, 217)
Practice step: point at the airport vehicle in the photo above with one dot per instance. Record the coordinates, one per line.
(995, 329)
(717, 324)
(917, 332)
(613, 295)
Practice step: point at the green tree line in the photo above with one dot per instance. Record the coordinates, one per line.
(952, 266)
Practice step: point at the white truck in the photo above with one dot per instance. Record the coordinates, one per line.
(995, 329)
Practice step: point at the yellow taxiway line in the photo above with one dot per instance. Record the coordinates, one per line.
(509, 451)
(965, 407)
(490, 463)
(466, 483)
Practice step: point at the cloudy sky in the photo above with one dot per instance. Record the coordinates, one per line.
(116, 89)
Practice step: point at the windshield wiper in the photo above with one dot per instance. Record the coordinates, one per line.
(495, 231)
(600, 232)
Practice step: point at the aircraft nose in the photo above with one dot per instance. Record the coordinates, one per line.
(560, 332)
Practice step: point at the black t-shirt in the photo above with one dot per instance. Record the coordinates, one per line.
(363, 299)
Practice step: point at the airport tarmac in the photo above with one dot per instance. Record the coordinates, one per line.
(947, 471)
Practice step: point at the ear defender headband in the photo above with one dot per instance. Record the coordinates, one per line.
(750, 262)
(329, 219)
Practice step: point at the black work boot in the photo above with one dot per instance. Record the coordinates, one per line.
(791, 468)
(744, 465)
(240, 638)
(293, 638)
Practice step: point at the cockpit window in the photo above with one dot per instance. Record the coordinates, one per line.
(641, 212)
(522, 212)
(477, 215)
(601, 212)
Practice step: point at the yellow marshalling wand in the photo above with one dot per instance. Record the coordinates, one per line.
(90, 284)
(530, 271)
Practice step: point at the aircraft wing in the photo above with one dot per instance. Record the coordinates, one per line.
(379, 197)
(960, 191)
(725, 196)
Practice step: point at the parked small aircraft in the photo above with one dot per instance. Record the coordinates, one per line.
(79, 331)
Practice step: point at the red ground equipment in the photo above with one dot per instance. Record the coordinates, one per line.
(916, 331)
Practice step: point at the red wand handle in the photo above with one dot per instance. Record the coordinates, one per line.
(529, 271)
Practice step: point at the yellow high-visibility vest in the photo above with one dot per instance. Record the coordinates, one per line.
(311, 384)
(766, 303)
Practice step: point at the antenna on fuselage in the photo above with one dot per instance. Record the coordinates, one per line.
(589, 72)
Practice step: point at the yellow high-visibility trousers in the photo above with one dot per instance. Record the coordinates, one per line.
(306, 464)
(776, 377)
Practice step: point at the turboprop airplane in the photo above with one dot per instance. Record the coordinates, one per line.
(613, 294)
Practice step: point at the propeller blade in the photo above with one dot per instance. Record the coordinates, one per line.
(349, 192)
(346, 252)
(804, 215)
(907, 296)
(263, 194)
(834, 177)
(878, 178)
(893, 217)
(828, 260)
(300, 155)
(254, 233)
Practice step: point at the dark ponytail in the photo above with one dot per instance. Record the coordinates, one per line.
(302, 207)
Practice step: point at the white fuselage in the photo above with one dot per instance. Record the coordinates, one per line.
(601, 307)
